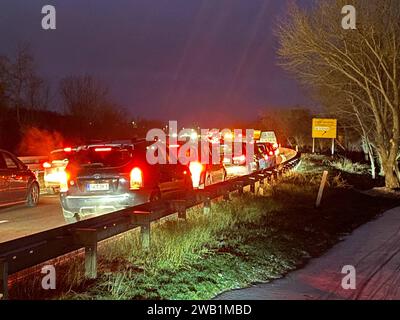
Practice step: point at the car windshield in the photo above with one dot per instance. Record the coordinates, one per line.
(102, 157)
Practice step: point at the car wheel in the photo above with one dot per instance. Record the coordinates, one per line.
(33, 195)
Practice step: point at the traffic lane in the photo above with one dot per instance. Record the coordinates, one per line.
(20, 221)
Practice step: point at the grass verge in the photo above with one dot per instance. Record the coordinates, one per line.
(248, 239)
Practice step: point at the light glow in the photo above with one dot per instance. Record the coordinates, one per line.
(136, 179)
(102, 149)
(196, 169)
(63, 177)
(46, 165)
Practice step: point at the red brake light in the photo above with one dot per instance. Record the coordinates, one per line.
(136, 179)
(64, 180)
(196, 168)
(102, 149)
(46, 165)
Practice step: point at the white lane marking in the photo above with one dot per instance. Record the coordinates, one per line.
(3, 221)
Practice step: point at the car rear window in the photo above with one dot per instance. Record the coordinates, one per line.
(60, 155)
(103, 158)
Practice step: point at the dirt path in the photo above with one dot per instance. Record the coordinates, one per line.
(374, 251)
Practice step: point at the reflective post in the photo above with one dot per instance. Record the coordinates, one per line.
(3, 279)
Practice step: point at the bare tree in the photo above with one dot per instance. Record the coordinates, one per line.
(359, 67)
(24, 89)
(88, 101)
(83, 96)
(291, 125)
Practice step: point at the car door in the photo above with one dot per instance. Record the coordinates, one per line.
(167, 183)
(18, 178)
(4, 182)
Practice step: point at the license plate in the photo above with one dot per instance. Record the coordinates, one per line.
(98, 187)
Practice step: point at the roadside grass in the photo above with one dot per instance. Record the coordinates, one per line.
(246, 240)
(346, 165)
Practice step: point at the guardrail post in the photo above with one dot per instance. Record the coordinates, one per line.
(276, 174)
(145, 235)
(180, 206)
(207, 205)
(253, 182)
(227, 196)
(88, 238)
(257, 187)
(240, 187)
(3, 279)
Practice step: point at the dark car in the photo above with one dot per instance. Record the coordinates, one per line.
(108, 177)
(18, 184)
(266, 155)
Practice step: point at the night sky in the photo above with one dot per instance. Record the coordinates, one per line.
(186, 60)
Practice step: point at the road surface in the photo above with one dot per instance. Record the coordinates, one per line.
(19, 221)
(374, 251)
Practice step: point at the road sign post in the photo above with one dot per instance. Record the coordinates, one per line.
(313, 145)
(324, 129)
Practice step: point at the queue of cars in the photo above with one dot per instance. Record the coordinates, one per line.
(104, 177)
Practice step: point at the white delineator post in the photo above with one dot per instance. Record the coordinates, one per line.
(321, 189)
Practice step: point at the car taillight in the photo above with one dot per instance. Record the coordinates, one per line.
(102, 149)
(46, 165)
(136, 179)
(64, 177)
(241, 159)
(196, 168)
(271, 153)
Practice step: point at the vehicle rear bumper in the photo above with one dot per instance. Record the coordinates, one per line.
(52, 184)
(100, 204)
(237, 170)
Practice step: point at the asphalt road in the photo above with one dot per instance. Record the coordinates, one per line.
(373, 250)
(19, 221)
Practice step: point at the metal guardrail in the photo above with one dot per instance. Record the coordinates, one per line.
(22, 253)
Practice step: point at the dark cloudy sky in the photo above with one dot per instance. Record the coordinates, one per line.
(191, 60)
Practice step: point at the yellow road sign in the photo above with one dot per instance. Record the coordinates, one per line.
(324, 128)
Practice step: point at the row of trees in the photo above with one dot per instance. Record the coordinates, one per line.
(85, 109)
(355, 74)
